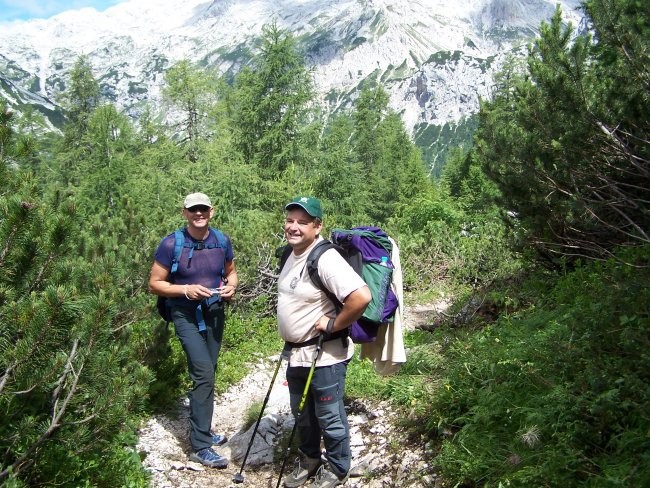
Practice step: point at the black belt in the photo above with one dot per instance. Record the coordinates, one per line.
(341, 334)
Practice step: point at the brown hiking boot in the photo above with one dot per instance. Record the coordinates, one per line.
(326, 479)
(305, 469)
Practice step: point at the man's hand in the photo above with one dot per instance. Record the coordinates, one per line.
(226, 291)
(321, 325)
(196, 292)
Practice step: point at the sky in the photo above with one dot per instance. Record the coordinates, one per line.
(43, 9)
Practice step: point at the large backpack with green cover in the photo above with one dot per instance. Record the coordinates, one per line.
(368, 250)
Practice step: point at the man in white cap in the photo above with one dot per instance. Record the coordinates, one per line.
(195, 270)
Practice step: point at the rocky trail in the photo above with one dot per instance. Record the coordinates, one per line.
(383, 454)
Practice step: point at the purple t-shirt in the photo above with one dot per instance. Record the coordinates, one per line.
(206, 265)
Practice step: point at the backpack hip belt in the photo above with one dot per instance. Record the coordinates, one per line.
(341, 334)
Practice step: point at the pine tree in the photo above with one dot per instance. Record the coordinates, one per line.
(67, 378)
(6, 131)
(392, 166)
(193, 92)
(339, 177)
(70, 382)
(269, 104)
(369, 111)
(568, 148)
(80, 100)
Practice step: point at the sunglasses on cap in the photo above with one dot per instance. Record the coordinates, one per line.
(198, 208)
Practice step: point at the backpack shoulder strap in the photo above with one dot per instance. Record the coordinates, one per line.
(222, 243)
(283, 254)
(312, 268)
(179, 240)
(220, 237)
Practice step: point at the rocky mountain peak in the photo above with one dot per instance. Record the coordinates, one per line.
(434, 57)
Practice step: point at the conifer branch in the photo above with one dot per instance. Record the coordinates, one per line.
(84, 420)
(8, 243)
(41, 272)
(69, 368)
(58, 411)
(5, 376)
(23, 392)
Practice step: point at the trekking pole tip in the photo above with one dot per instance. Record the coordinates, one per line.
(238, 478)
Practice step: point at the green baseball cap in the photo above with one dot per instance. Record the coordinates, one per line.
(310, 205)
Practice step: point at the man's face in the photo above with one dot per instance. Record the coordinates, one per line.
(198, 216)
(300, 229)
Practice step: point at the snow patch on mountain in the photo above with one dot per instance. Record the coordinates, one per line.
(435, 58)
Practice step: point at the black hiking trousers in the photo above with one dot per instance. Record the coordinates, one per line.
(323, 414)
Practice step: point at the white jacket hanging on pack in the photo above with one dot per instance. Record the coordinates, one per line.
(387, 353)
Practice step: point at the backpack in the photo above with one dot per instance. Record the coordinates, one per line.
(163, 303)
(367, 250)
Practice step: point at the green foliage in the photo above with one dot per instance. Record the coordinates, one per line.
(158, 350)
(19, 140)
(339, 177)
(555, 396)
(442, 242)
(70, 382)
(566, 142)
(370, 110)
(251, 415)
(80, 100)
(560, 380)
(102, 173)
(193, 92)
(246, 340)
(463, 180)
(269, 104)
(381, 156)
(436, 142)
(362, 381)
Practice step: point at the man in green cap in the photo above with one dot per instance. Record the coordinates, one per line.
(304, 313)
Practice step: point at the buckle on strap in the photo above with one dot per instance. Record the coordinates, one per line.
(206, 302)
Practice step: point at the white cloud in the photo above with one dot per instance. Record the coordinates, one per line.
(29, 9)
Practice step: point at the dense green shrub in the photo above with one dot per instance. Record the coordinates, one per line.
(439, 242)
(71, 386)
(565, 141)
(555, 396)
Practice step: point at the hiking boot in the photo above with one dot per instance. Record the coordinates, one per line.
(218, 439)
(210, 458)
(305, 469)
(326, 479)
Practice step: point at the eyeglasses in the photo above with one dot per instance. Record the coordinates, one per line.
(199, 208)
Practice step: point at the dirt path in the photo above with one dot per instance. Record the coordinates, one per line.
(381, 451)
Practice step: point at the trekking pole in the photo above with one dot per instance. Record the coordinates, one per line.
(238, 477)
(319, 345)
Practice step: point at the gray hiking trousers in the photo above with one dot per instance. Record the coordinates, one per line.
(323, 414)
(202, 352)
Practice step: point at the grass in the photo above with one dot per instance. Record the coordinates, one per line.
(251, 415)
(245, 342)
(554, 393)
(362, 381)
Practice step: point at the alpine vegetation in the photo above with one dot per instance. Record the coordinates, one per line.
(534, 237)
